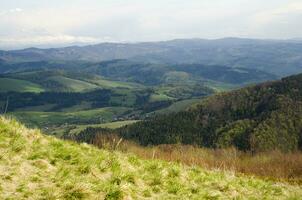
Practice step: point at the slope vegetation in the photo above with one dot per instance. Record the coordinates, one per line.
(15, 85)
(257, 118)
(33, 166)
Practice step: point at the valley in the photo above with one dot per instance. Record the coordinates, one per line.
(50, 94)
(150, 100)
(154, 116)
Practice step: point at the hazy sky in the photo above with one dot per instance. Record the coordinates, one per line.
(60, 22)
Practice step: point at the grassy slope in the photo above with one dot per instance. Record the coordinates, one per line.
(33, 166)
(55, 118)
(105, 83)
(178, 106)
(72, 81)
(9, 84)
(110, 125)
(73, 84)
(76, 129)
(118, 124)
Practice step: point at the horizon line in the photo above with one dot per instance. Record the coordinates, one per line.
(83, 44)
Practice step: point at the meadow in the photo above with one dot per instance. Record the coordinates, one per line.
(35, 166)
(46, 119)
(9, 84)
(74, 129)
(273, 165)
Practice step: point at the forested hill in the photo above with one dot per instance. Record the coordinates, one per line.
(258, 118)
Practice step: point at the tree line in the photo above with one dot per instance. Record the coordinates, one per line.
(257, 118)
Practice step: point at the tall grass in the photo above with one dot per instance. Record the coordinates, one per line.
(35, 166)
(270, 165)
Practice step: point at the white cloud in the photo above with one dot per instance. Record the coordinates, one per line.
(272, 15)
(11, 11)
(8, 42)
(15, 10)
(35, 22)
(280, 22)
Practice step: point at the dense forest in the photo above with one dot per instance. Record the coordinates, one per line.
(99, 98)
(256, 118)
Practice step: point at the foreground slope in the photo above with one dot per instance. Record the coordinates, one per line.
(33, 166)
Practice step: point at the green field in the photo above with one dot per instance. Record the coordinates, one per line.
(15, 85)
(219, 86)
(124, 96)
(76, 129)
(107, 84)
(45, 119)
(73, 85)
(41, 108)
(118, 124)
(35, 166)
(160, 97)
(178, 106)
(84, 105)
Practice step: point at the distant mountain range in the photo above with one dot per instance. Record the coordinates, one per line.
(279, 57)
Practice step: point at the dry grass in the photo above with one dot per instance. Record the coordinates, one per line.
(35, 166)
(270, 165)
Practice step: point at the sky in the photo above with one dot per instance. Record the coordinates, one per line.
(45, 23)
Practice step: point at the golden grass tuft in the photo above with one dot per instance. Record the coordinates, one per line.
(43, 167)
(270, 165)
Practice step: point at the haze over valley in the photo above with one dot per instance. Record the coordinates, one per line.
(150, 100)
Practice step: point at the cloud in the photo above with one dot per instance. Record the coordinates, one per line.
(15, 10)
(58, 21)
(277, 14)
(279, 22)
(8, 42)
(11, 11)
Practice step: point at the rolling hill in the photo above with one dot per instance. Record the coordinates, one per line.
(49, 94)
(137, 72)
(35, 166)
(154, 74)
(15, 85)
(256, 118)
(279, 57)
(70, 88)
(68, 81)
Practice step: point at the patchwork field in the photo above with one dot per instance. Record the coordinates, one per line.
(73, 85)
(15, 85)
(45, 119)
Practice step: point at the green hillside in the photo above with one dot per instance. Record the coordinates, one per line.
(106, 83)
(72, 85)
(55, 80)
(15, 85)
(155, 74)
(35, 166)
(178, 106)
(44, 119)
(75, 129)
(257, 118)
